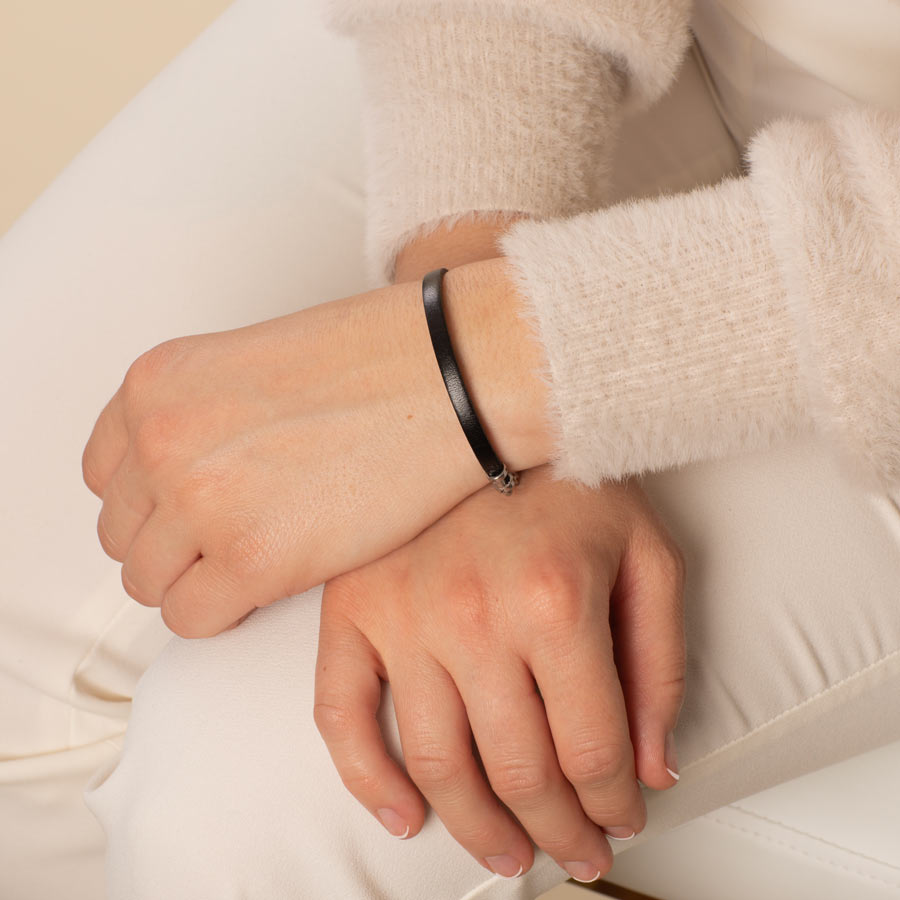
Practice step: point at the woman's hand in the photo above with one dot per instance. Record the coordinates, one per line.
(243, 466)
(550, 623)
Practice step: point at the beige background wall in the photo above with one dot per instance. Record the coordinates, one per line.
(67, 67)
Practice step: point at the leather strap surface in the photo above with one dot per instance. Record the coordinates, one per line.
(443, 351)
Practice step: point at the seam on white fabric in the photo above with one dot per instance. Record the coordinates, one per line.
(798, 850)
(815, 837)
(796, 706)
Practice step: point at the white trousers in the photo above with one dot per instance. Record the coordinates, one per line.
(228, 192)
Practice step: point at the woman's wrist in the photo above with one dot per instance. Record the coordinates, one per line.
(496, 352)
(499, 359)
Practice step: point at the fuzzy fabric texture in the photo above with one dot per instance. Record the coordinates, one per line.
(730, 318)
(666, 332)
(830, 192)
(494, 107)
(677, 329)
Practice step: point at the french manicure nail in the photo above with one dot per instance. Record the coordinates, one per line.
(393, 822)
(582, 871)
(619, 832)
(671, 757)
(505, 865)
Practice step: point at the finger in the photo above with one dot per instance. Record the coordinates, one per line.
(126, 506)
(573, 664)
(106, 447)
(437, 750)
(510, 726)
(347, 697)
(647, 618)
(205, 600)
(159, 555)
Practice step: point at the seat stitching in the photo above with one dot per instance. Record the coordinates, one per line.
(828, 862)
(792, 709)
(814, 837)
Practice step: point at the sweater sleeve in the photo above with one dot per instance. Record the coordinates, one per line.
(723, 320)
(509, 106)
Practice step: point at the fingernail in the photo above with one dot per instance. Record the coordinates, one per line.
(671, 758)
(582, 871)
(394, 824)
(619, 832)
(505, 865)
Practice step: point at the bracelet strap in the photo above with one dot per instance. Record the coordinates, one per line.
(500, 476)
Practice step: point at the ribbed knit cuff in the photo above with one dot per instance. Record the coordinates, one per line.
(468, 116)
(667, 334)
(829, 191)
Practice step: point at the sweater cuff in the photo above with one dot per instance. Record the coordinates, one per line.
(666, 332)
(830, 194)
(497, 107)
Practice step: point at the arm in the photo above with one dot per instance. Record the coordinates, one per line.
(729, 322)
(479, 111)
(729, 318)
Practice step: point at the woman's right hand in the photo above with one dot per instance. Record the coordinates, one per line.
(548, 622)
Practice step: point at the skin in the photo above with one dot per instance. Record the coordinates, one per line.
(500, 598)
(217, 499)
(243, 466)
(565, 603)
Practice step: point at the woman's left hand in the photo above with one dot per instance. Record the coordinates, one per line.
(240, 467)
(571, 592)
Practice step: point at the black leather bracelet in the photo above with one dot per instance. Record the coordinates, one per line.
(500, 476)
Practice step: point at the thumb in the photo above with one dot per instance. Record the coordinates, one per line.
(647, 624)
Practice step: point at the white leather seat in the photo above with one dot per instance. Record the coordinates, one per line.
(833, 834)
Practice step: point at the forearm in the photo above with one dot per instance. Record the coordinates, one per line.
(696, 326)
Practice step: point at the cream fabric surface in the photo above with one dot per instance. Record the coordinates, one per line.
(230, 191)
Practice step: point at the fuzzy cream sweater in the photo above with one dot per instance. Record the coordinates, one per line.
(677, 329)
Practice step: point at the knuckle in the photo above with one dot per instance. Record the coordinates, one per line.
(593, 762)
(555, 595)
(248, 552)
(351, 595)
(89, 474)
(130, 588)
(521, 781)
(559, 842)
(673, 566)
(555, 616)
(333, 721)
(473, 609)
(435, 769)
(156, 437)
(109, 543)
(197, 487)
(183, 620)
(479, 833)
(359, 780)
(151, 364)
(672, 687)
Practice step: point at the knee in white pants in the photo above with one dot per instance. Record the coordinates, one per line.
(225, 787)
